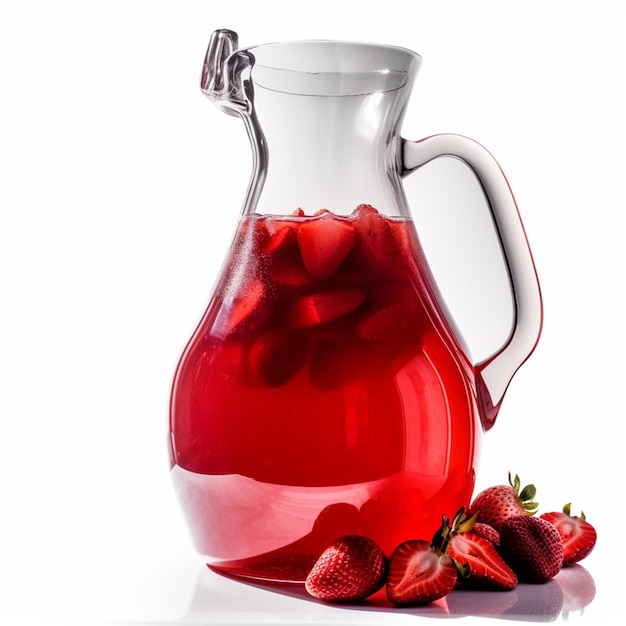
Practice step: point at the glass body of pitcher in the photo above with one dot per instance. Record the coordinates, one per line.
(325, 392)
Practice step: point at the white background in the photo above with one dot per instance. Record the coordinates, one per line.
(120, 185)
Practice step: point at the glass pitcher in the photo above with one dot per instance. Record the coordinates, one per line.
(326, 391)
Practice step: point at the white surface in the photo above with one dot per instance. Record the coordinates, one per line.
(119, 189)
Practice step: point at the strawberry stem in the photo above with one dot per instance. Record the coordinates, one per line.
(568, 508)
(526, 495)
(460, 524)
(441, 538)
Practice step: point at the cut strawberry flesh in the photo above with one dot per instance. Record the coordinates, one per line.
(486, 566)
(323, 306)
(418, 574)
(324, 245)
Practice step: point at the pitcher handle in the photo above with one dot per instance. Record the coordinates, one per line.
(494, 373)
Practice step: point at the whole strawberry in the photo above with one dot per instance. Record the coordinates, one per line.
(496, 504)
(350, 569)
(578, 535)
(532, 547)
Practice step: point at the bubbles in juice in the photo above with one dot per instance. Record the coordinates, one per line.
(322, 394)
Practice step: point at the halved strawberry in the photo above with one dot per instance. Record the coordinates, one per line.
(419, 573)
(323, 306)
(325, 242)
(495, 504)
(578, 535)
(350, 569)
(478, 562)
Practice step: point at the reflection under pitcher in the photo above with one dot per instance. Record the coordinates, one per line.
(327, 390)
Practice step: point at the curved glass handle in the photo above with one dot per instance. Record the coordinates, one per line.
(494, 374)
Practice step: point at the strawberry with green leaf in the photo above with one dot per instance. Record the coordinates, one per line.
(496, 504)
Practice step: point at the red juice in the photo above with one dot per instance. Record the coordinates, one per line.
(322, 394)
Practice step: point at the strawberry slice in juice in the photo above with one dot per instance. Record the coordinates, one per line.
(325, 242)
(285, 266)
(323, 306)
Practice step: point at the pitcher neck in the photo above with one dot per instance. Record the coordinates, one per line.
(326, 152)
(324, 122)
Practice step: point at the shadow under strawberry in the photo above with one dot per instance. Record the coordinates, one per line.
(376, 603)
(570, 591)
(480, 603)
(536, 603)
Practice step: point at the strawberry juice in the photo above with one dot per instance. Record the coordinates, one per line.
(322, 394)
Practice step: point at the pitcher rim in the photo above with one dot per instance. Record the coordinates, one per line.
(349, 67)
